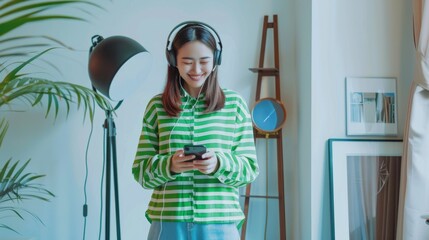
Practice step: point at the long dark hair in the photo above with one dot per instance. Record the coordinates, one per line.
(171, 98)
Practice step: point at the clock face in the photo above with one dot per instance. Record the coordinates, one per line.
(268, 115)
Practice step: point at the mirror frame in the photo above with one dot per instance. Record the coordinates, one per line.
(339, 150)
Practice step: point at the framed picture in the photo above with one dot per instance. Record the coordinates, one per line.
(364, 180)
(371, 106)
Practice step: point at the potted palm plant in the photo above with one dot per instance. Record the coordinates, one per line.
(16, 54)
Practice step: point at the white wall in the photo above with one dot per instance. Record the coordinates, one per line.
(351, 38)
(303, 112)
(57, 148)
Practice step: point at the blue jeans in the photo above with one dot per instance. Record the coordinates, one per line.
(192, 231)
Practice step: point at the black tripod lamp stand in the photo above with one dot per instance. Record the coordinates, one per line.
(117, 65)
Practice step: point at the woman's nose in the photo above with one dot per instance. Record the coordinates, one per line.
(196, 67)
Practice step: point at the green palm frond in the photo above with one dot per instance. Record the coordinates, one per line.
(20, 86)
(33, 90)
(17, 85)
(4, 125)
(13, 211)
(24, 46)
(17, 13)
(17, 185)
(20, 12)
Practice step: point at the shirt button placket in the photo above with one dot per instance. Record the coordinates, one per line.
(194, 141)
(192, 195)
(192, 125)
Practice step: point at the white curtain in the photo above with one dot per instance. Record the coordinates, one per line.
(414, 201)
(362, 181)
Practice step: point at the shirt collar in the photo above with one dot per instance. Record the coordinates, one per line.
(185, 94)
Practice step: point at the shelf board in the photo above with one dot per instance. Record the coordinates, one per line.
(265, 71)
(258, 134)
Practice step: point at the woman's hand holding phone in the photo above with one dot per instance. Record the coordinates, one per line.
(208, 164)
(194, 157)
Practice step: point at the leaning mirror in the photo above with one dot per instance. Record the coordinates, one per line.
(268, 115)
(365, 177)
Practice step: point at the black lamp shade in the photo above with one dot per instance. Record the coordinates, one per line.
(117, 65)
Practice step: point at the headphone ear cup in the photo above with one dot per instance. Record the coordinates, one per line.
(171, 58)
(217, 58)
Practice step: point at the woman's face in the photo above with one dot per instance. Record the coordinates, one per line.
(195, 63)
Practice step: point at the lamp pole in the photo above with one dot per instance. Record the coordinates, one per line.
(111, 161)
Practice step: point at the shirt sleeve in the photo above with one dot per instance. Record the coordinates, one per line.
(239, 167)
(150, 168)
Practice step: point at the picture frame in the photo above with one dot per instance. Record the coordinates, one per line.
(371, 106)
(364, 186)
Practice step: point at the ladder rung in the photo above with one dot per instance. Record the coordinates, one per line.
(265, 71)
(259, 196)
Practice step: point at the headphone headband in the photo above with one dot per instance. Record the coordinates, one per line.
(171, 58)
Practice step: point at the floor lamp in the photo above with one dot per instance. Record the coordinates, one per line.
(117, 65)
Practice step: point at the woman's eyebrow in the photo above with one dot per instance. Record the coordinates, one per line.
(190, 58)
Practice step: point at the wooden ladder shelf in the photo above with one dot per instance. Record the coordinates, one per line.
(263, 73)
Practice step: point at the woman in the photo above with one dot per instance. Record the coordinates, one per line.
(195, 198)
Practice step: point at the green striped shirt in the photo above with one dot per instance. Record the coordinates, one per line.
(193, 196)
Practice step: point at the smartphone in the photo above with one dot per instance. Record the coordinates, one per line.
(197, 150)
